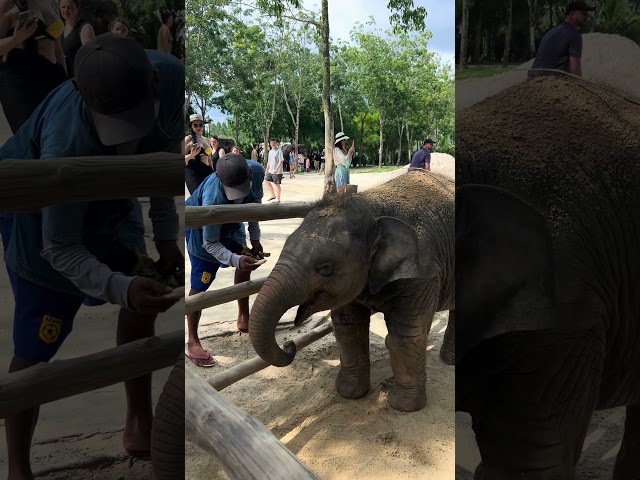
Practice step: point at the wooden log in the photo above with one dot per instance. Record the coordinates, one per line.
(196, 217)
(32, 184)
(241, 445)
(48, 382)
(203, 300)
(255, 364)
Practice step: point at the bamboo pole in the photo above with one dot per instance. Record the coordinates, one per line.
(242, 446)
(203, 300)
(255, 364)
(196, 217)
(32, 184)
(48, 382)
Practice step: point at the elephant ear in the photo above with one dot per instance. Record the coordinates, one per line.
(394, 253)
(504, 266)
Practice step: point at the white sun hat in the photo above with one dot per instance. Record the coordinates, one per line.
(339, 137)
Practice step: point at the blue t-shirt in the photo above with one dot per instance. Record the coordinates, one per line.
(211, 192)
(62, 126)
(420, 159)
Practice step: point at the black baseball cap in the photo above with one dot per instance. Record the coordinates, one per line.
(579, 5)
(428, 140)
(117, 81)
(235, 174)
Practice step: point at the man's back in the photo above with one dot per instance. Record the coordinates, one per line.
(556, 47)
(420, 159)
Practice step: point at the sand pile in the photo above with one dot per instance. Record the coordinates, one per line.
(606, 59)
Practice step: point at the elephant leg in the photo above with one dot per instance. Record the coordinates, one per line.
(167, 434)
(448, 349)
(408, 362)
(531, 415)
(351, 328)
(627, 465)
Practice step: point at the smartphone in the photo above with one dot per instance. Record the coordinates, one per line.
(25, 18)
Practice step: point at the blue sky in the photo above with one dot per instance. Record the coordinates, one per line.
(343, 14)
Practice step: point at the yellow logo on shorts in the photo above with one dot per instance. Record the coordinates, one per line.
(206, 277)
(49, 329)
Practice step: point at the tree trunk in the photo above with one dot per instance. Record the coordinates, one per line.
(340, 114)
(237, 131)
(464, 34)
(477, 44)
(329, 181)
(507, 41)
(364, 119)
(400, 130)
(380, 150)
(409, 140)
(532, 27)
(187, 104)
(550, 15)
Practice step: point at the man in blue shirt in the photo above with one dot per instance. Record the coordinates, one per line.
(421, 160)
(123, 101)
(236, 181)
(561, 47)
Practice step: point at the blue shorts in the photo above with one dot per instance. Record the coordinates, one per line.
(42, 319)
(204, 272)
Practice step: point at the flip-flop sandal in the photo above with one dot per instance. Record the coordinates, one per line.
(138, 453)
(195, 360)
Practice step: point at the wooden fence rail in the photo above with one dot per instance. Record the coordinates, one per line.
(255, 364)
(204, 300)
(196, 217)
(47, 382)
(32, 184)
(242, 446)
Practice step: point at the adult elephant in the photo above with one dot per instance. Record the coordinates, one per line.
(390, 250)
(547, 275)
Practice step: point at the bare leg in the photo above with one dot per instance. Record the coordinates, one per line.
(278, 190)
(342, 189)
(243, 303)
(270, 188)
(19, 430)
(197, 354)
(137, 430)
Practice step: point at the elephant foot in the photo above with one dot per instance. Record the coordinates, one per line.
(447, 356)
(352, 386)
(627, 465)
(408, 362)
(407, 399)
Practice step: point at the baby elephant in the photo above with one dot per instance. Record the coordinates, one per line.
(390, 250)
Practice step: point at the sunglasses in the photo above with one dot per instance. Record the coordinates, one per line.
(198, 125)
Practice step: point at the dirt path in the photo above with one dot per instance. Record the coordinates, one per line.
(337, 438)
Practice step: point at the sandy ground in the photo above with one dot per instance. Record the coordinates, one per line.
(336, 438)
(80, 437)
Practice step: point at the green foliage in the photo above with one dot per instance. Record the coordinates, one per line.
(247, 59)
(616, 17)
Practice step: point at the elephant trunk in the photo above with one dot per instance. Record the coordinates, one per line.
(276, 296)
(167, 434)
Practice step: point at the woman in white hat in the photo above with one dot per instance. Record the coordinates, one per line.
(197, 162)
(342, 159)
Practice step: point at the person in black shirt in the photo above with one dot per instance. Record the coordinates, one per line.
(196, 159)
(421, 160)
(216, 151)
(561, 47)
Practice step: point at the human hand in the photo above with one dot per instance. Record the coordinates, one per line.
(24, 31)
(248, 264)
(146, 296)
(195, 149)
(257, 247)
(352, 148)
(171, 258)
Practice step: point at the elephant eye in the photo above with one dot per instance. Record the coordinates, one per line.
(324, 269)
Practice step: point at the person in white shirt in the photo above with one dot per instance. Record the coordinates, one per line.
(273, 177)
